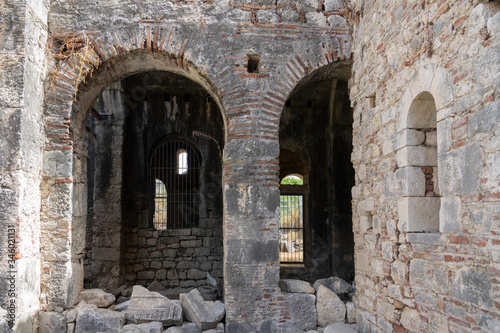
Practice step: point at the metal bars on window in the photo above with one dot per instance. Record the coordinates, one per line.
(291, 229)
(174, 171)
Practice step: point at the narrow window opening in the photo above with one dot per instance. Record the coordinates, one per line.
(253, 63)
(291, 227)
(182, 162)
(160, 214)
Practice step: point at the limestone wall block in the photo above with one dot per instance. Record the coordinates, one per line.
(459, 170)
(410, 319)
(417, 156)
(407, 181)
(450, 214)
(419, 214)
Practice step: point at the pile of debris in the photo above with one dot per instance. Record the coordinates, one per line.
(327, 304)
(138, 310)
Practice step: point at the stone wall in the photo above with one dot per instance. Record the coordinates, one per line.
(446, 277)
(23, 40)
(177, 258)
(211, 43)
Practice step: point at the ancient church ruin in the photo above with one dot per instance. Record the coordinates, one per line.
(242, 150)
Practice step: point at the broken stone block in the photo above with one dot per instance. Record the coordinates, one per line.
(146, 306)
(152, 327)
(189, 328)
(119, 290)
(131, 328)
(175, 329)
(156, 286)
(90, 318)
(211, 281)
(51, 322)
(122, 299)
(127, 292)
(220, 328)
(122, 306)
(289, 327)
(339, 328)
(330, 308)
(98, 297)
(351, 312)
(71, 314)
(335, 284)
(205, 315)
(208, 293)
(302, 310)
(296, 286)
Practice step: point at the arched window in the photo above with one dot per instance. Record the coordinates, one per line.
(174, 173)
(292, 219)
(182, 158)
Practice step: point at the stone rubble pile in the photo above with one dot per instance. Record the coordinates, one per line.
(137, 310)
(326, 306)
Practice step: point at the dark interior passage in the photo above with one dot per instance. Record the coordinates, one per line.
(316, 144)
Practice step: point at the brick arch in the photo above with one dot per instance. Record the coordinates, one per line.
(298, 70)
(121, 54)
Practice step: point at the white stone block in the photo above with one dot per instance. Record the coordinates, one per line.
(444, 113)
(431, 138)
(410, 137)
(444, 135)
(411, 181)
(419, 214)
(417, 156)
(404, 106)
(460, 170)
(450, 214)
(442, 88)
(58, 164)
(366, 206)
(389, 145)
(493, 25)
(421, 79)
(365, 222)
(479, 17)
(410, 319)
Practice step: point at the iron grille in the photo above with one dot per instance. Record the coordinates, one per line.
(291, 229)
(175, 170)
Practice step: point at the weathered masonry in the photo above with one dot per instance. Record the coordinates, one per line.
(160, 141)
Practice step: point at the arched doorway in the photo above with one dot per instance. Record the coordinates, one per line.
(64, 208)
